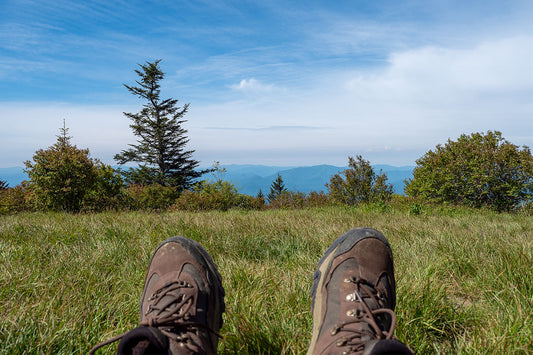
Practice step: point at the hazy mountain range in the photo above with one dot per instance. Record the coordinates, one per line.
(249, 179)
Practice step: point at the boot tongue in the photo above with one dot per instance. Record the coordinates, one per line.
(358, 312)
(352, 294)
(363, 292)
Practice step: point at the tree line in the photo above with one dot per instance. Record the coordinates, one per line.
(476, 170)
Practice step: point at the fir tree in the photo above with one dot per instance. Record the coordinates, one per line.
(62, 175)
(277, 187)
(3, 185)
(160, 149)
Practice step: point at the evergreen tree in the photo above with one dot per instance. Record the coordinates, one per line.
(277, 187)
(260, 198)
(160, 149)
(62, 175)
(3, 185)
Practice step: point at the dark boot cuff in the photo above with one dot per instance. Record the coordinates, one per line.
(386, 347)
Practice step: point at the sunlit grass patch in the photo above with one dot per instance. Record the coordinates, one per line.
(465, 281)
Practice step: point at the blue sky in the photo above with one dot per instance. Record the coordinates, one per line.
(269, 82)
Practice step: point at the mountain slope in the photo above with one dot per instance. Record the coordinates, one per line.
(14, 175)
(250, 178)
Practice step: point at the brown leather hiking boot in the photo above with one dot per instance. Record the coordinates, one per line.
(354, 295)
(181, 305)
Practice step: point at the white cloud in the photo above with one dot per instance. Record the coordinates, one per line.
(392, 114)
(253, 85)
(442, 91)
(419, 99)
(497, 66)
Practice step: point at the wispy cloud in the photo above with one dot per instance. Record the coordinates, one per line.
(387, 79)
(478, 81)
(270, 128)
(253, 85)
(420, 98)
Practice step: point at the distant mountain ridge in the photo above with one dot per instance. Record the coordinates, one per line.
(249, 179)
(13, 175)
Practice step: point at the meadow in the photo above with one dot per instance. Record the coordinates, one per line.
(464, 277)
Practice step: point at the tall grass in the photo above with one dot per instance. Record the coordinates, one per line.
(464, 278)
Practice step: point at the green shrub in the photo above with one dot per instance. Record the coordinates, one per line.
(359, 183)
(317, 199)
(247, 202)
(15, 199)
(292, 199)
(108, 192)
(478, 170)
(527, 209)
(151, 197)
(289, 199)
(216, 195)
(415, 209)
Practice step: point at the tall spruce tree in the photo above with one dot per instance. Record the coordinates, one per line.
(276, 188)
(160, 148)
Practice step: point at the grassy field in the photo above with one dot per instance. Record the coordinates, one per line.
(464, 278)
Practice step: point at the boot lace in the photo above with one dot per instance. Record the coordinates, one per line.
(170, 307)
(364, 293)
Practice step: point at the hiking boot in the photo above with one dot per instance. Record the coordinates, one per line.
(181, 305)
(353, 296)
